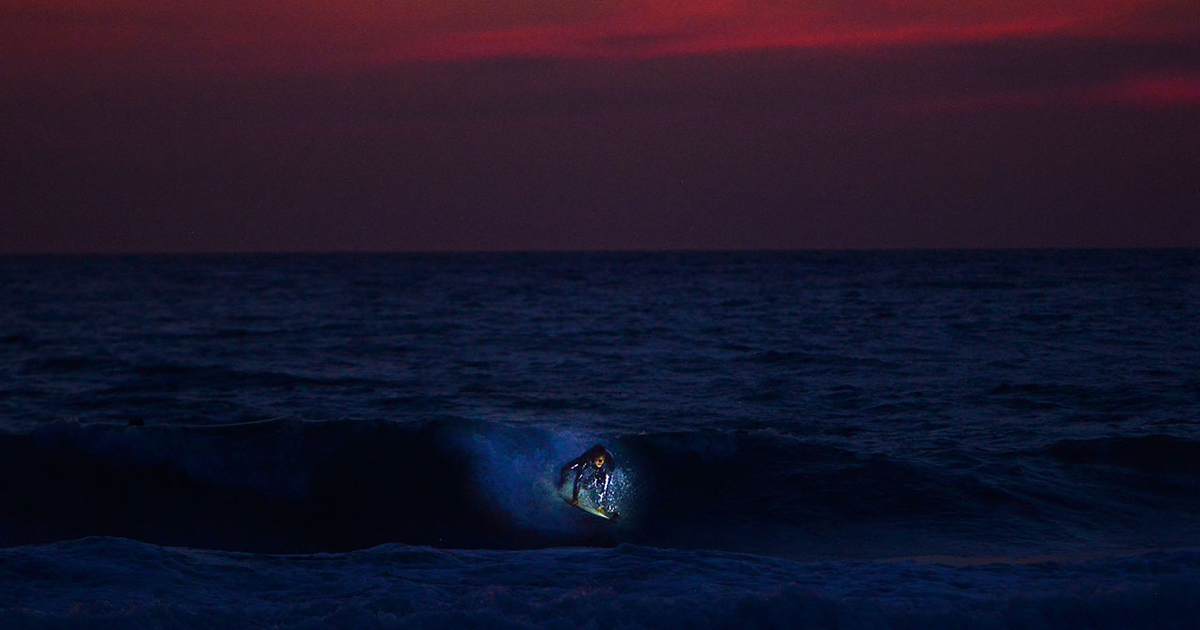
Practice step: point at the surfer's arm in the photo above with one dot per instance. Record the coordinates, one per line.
(575, 489)
(562, 472)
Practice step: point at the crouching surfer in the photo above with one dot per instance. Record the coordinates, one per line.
(593, 471)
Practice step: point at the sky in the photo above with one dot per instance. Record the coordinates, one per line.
(467, 125)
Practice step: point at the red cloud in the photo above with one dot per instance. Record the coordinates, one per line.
(649, 29)
(348, 34)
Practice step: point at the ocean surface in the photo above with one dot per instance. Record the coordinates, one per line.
(852, 440)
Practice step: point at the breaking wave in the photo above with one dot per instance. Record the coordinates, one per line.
(289, 485)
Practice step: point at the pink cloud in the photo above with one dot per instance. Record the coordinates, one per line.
(1151, 91)
(1156, 91)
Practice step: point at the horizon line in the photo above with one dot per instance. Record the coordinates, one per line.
(614, 251)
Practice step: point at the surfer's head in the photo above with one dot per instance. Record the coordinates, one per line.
(598, 456)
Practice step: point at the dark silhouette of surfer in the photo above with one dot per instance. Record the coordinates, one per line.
(592, 470)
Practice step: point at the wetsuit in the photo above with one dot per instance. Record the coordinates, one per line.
(588, 474)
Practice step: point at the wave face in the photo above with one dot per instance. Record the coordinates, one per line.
(300, 486)
(106, 582)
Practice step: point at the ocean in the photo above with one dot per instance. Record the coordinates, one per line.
(926, 439)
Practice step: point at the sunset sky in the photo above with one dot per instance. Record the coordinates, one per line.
(369, 125)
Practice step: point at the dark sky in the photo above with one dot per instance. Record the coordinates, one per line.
(335, 125)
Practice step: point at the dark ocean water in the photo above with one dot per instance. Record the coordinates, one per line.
(925, 439)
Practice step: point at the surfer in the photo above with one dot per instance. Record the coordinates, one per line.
(592, 469)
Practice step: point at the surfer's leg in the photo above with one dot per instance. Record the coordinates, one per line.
(604, 490)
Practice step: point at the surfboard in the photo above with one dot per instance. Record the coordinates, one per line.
(608, 516)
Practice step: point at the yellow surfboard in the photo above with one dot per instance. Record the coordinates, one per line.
(594, 511)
